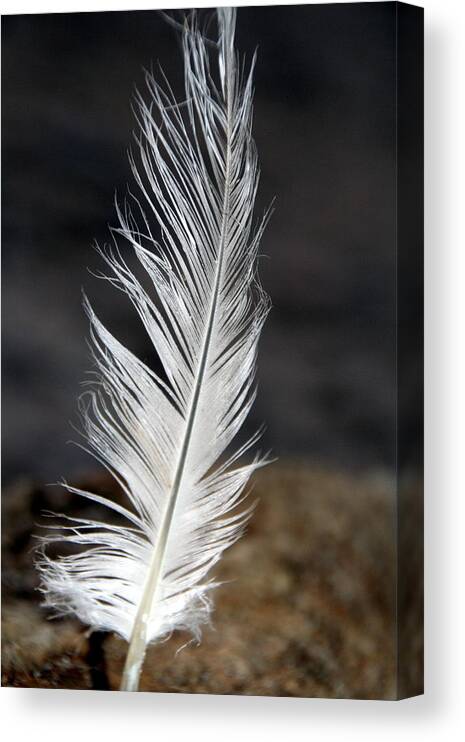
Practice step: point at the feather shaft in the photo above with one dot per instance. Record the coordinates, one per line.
(138, 642)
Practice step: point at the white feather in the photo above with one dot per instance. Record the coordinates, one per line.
(163, 440)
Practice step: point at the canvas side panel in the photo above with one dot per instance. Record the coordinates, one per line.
(410, 350)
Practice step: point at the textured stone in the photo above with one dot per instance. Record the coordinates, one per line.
(306, 608)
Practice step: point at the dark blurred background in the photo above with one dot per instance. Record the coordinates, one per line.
(324, 126)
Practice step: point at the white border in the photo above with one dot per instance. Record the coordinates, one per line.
(70, 715)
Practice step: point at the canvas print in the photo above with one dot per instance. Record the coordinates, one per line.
(212, 343)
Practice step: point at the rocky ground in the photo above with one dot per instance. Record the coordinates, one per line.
(307, 608)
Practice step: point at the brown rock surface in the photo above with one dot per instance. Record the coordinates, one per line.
(306, 608)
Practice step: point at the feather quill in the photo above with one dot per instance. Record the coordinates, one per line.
(165, 439)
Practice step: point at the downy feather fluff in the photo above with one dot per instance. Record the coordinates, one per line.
(165, 439)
